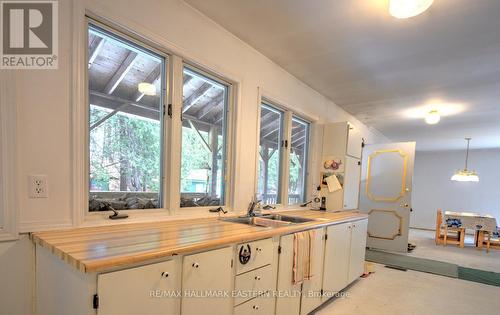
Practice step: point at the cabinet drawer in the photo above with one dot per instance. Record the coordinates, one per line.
(253, 283)
(258, 306)
(261, 254)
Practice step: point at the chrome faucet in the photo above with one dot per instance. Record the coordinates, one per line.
(251, 207)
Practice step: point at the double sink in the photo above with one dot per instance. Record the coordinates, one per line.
(270, 220)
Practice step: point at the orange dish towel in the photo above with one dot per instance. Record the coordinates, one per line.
(303, 253)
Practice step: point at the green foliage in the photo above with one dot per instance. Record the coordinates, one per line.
(126, 150)
(195, 155)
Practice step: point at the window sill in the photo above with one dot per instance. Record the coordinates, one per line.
(146, 216)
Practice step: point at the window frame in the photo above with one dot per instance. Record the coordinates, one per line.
(226, 188)
(9, 228)
(289, 114)
(307, 156)
(267, 103)
(125, 35)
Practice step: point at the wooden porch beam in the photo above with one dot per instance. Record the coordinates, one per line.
(195, 96)
(121, 72)
(94, 49)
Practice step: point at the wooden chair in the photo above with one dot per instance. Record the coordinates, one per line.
(484, 239)
(442, 230)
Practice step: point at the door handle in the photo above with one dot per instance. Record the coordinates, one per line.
(404, 205)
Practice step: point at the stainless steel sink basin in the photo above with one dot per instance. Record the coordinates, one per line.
(286, 218)
(257, 221)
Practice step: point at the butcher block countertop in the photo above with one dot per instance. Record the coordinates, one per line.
(97, 249)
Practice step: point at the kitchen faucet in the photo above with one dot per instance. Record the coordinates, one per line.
(251, 207)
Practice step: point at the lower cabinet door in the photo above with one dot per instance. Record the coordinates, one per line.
(258, 306)
(206, 277)
(311, 289)
(288, 295)
(358, 249)
(336, 263)
(150, 289)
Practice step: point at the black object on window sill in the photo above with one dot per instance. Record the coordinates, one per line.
(116, 215)
(219, 209)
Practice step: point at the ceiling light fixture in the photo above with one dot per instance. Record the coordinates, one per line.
(147, 88)
(465, 175)
(432, 117)
(403, 9)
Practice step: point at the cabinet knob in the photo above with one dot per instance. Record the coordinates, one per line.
(257, 277)
(164, 274)
(196, 265)
(255, 307)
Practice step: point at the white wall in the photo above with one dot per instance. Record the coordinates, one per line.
(44, 108)
(433, 189)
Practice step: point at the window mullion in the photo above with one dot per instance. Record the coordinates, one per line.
(174, 158)
(285, 164)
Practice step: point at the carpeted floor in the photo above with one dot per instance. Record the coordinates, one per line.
(469, 256)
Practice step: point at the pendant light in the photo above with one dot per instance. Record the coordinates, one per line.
(465, 175)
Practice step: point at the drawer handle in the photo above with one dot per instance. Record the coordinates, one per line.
(257, 277)
(258, 249)
(255, 307)
(196, 265)
(164, 274)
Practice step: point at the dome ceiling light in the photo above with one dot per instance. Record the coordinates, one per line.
(432, 117)
(403, 9)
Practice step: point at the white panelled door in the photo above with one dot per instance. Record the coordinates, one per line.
(386, 185)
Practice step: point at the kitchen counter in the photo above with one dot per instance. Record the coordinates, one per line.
(97, 249)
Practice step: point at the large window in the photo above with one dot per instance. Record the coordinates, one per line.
(269, 166)
(283, 154)
(126, 84)
(298, 161)
(204, 130)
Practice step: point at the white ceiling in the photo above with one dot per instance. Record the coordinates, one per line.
(380, 68)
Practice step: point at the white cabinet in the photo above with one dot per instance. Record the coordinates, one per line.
(351, 183)
(354, 142)
(311, 289)
(344, 255)
(141, 290)
(342, 143)
(289, 303)
(300, 298)
(337, 252)
(341, 139)
(206, 273)
(357, 250)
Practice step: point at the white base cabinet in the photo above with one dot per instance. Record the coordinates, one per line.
(344, 256)
(357, 249)
(141, 290)
(206, 274)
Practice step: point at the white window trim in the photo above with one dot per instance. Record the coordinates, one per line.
(230, 142)
(176, 59)
(9, 230)
(266, 97)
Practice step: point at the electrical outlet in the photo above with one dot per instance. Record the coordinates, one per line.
(38, 186)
